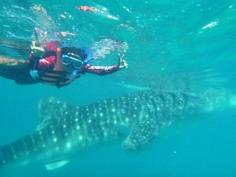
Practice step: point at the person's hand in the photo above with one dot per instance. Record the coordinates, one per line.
(36, 50)
(123, 63)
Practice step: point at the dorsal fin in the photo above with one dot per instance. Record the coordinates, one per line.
(51, 111)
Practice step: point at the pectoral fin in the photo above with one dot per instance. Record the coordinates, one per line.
(56, 164)
(142, 133)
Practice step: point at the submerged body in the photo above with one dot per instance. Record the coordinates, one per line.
(64, 128)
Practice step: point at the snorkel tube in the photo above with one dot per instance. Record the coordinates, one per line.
(58, 64)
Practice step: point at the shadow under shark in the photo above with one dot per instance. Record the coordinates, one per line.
(65, 128)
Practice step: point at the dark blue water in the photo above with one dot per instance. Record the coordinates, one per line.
(172, 45)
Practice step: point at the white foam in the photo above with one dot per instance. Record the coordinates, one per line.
(210, 25)
(103, 11)
(134, 87)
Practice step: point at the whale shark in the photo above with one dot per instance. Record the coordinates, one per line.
(65, 128)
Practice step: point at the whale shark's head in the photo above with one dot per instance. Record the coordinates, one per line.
(218, 100)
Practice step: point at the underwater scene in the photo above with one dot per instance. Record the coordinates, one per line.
(117, 88)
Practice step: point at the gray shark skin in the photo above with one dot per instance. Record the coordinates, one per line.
(64, 128)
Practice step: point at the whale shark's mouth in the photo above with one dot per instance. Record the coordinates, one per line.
(233, 101)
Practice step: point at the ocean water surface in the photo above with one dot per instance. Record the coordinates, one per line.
(172, 45)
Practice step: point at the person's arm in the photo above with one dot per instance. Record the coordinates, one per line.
(103, 70)
(14, 69)
(7, 63)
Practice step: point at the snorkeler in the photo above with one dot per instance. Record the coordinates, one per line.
(54, 65)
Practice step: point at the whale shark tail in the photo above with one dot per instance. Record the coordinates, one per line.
(6, 155)
(17, 150)
(1, 159)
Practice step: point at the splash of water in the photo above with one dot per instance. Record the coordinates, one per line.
(105, 46)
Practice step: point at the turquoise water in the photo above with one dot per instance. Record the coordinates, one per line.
(172, 45)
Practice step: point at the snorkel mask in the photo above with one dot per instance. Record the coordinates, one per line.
(72, 61)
